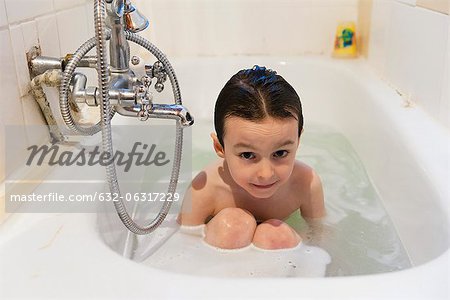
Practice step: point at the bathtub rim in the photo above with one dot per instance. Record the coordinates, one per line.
(427, 281)
(418, 281)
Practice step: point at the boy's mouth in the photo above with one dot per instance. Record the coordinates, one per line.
(264, 186)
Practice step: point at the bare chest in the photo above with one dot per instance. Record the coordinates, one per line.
(279, 207)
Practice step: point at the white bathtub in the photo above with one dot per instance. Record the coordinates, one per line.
(405, 153)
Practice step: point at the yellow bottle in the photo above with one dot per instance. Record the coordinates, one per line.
(345, 40)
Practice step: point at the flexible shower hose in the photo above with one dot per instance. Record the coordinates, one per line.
(107, 112)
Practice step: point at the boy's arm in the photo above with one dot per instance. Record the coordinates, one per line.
(313, 206)
(197, 203)
(313, 209)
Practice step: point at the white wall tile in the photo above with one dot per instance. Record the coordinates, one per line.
(10, 95)
(222, 37)
(179, 33)
(89, 9)
(409, 2)
(248, 38)
(408, 47)
(20, 59)
(35, 124)
(20, 10)
(15, 140)
(30, 34)
(17, 144)
(444, 110)
(333, 3)
(429, 47)
(72, 28)
(8, 83)
(293, 25)
(31, 112)
(204, 41)
(48, 35)
(401, 47)
(247, 27)
(3, 18)
(379, 30)
(2, 162)
(64, 4)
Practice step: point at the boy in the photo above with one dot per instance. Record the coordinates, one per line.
(244, 196)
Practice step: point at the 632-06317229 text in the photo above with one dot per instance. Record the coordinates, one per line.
(97, 196)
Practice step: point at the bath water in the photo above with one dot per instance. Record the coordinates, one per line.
(356, 237)
(357, 231)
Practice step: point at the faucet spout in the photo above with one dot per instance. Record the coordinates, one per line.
(171, 111)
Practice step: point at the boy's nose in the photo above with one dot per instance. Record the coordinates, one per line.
(265, 170)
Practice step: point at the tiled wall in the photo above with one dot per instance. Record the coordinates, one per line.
(409, 47)
(59, 27)
(363, 25)
(247, 27)
(442, 6)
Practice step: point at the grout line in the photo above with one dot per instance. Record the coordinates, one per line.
(33, 18)
(16, 73)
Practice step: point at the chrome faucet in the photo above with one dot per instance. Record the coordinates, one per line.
(129, 95)
(119, 90)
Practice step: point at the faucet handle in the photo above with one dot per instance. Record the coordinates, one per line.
(143, 94)
(144, 97)
(146, 80)
(157, 70)
(135, 60)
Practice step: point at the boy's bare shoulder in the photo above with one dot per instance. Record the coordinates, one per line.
(200, 199)
(303, 173)
(208, 185)
(209, 178)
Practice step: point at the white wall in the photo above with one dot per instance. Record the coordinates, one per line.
(409, 47)
(59, 27)
(246, 27)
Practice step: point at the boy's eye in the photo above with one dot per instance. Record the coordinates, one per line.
(280, 153)
(247, 155)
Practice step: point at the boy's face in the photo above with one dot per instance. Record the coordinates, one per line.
(260, 155)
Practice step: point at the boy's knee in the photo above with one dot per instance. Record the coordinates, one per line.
(275, 234)
(231, 228)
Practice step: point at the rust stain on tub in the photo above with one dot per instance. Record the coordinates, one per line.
(52, 239)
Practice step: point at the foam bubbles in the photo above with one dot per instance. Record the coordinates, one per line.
(186, 252)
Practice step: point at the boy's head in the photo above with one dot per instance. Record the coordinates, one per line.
(258, 117)
(255, 94)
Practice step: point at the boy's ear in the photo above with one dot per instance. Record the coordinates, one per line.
(217, 146)
(299, 138)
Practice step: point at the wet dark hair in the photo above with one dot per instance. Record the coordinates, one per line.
(254, 94)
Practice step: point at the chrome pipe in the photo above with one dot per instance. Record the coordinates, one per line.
(40, 64)
(119, 49)
(91, 96)
(171, 111)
